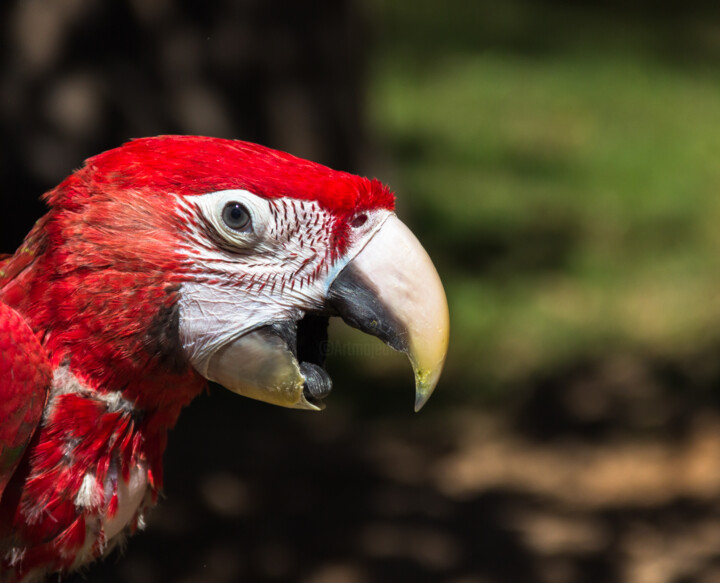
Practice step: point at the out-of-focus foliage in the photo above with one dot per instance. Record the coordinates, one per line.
(560, 161)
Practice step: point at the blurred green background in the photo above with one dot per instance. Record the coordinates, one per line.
(560, 162)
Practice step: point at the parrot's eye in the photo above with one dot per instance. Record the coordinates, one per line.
(359, 220)
(236, 216)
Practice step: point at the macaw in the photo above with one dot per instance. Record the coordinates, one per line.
(161, 265)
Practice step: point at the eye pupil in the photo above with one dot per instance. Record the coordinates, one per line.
(236, 216)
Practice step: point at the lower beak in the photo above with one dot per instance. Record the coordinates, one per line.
(392, 290)
(262, 365)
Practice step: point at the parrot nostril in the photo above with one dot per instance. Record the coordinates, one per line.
(358, 221)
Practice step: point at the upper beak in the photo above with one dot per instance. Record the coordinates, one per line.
(392, 290)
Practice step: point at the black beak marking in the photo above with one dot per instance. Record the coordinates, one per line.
(356, 300)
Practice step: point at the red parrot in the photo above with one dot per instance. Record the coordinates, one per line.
(161, 265)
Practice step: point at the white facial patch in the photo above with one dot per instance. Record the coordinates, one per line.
(274, 271)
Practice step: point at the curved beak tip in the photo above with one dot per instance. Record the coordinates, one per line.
(422, 395)
(426, 379)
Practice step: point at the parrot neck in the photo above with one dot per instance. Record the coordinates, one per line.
(115, 329)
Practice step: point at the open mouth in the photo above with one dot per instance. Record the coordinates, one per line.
(389, 290)
(281, 363)
(311, 351)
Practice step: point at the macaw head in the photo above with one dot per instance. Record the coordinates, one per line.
(228, 258)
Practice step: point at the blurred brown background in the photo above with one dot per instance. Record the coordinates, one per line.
(560, 162)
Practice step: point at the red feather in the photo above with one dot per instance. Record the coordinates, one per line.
(24, 382)
(196, 165)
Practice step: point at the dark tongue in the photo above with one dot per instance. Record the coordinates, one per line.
(318, 383)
